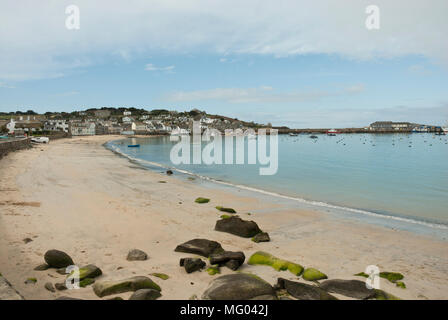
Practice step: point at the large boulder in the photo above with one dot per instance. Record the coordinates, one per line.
(239, 286)
(145, 294)
(350, 288)
(238, 226)
(137, 255)
(232, 260)
(105, 288)
(303, 291)
(202, 247)
(192, 264)
(57, 259)
(261, 237)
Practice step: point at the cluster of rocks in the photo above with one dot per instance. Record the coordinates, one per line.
(143, 287)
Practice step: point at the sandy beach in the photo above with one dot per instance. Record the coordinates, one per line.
(76, 196)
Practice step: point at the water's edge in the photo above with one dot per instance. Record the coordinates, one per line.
(439, 230)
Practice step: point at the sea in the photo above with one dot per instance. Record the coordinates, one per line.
(395, 180)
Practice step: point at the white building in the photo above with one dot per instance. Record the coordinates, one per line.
(127, 113)
(11, 126)
(82, 129)
(56, 125)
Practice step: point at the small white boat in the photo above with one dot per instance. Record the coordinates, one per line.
(40, 140)
(292, 134)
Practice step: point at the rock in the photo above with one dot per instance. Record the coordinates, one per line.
(223, 209)
(106, 288)
(49, 287)
(400, 284)
(160, 275)
(238, 286)
(62, 271)
(89, 271)
(66, 298)
(303, 291)
(116, 298)
(383, 295)
(350, 288)
(227, 256)
(261, 237)
(27, 240)
(311, 274)
(7, 291)
(202, 247)
(202, 200)
(191, 264)
(137, 255)
(145, 294)
(42, 267)
(86, 282)
(31, 281)
(169, 172)
(238, 226)
(57, 259)
(265, 297)
(264, 258)
(60, 286)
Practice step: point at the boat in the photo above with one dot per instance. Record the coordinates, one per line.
(313, 137)
(4, 137)
(292, 134)
(133, 146)
(332, 132)
(40, 140)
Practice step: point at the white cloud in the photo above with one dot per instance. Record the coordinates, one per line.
(34, 42)
(264, 94)
(151, 67)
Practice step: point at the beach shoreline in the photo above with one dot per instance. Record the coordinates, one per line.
(97, 206)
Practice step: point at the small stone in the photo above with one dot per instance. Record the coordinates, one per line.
(27, 240)
(49, 287)
(192, 264)
(42, 267)
(30, 281)
(60, 286)
(169, 172)
(261, 237)
(137, 255)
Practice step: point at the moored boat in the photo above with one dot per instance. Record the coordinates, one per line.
(133, 146)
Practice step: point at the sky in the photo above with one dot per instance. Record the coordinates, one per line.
(296, 63)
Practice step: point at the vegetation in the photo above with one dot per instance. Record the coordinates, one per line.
(229, 210)
(264, 258)
(202, 200)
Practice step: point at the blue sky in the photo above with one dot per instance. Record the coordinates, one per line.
(266, 69)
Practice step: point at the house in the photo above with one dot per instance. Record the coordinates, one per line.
(22, 127)
(56, 125)
(139, 126)
(392, 126)
(82, 128)
(127, 119)
(127, 113)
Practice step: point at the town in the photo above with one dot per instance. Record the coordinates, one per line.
(133, 121)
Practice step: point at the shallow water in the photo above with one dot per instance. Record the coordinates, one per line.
(399, 175)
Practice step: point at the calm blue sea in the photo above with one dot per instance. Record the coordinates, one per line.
(398, 175)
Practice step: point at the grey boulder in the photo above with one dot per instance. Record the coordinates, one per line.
(239, 286)
(238, 226)
(145, 294)
(202, 247)
(350, 288)
(137, 255)
(57, 259)
(303, 291)
(106, 288)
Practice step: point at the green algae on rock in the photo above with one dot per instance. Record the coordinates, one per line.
(212, 270)
(162, 276)
(229, 210)
(312, 274)
(202, 200)
(400, 284)
(391, 276)
(383, 295)
(264, 258)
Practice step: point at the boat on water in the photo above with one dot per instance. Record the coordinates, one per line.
(133, 146)
(313, 137)
(4, 137)
(332, 132)
(292, 134)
